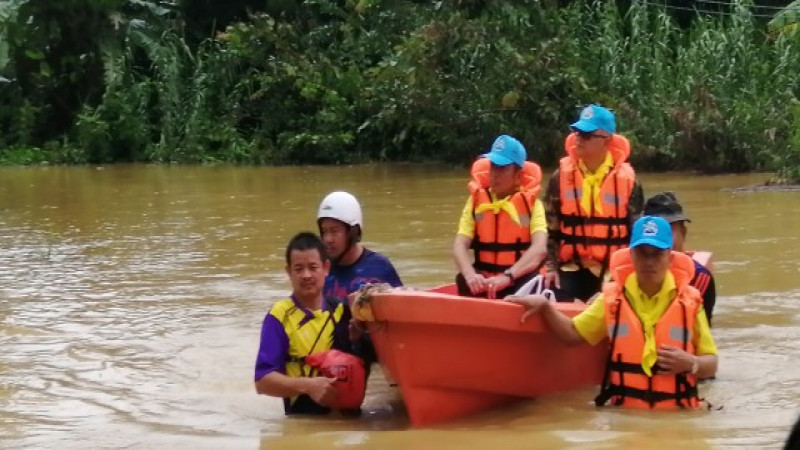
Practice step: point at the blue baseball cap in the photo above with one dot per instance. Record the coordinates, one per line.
(652, 230)
(594, 118)
(507, 150)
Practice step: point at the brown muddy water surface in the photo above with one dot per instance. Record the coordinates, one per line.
(131, 299)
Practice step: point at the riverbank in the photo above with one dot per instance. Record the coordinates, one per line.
(36, 157)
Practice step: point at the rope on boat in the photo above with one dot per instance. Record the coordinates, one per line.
(361, 299)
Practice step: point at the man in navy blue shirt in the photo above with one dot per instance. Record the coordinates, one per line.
(341, 225)
(666, 205)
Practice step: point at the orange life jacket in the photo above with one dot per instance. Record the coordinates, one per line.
(499, 241)
(625, 382)
(589, 235)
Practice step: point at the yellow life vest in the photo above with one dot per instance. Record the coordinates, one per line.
(306, 335)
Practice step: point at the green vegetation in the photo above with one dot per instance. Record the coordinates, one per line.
(322, 81)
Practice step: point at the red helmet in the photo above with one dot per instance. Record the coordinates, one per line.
(348, 370)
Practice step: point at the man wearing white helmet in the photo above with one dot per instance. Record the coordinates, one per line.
(340, 226)
(353, 265)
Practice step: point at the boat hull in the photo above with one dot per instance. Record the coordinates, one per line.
(453, 356)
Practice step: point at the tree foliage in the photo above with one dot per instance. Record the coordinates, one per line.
(322, 81)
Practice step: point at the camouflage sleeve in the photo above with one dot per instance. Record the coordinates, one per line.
(636, 202)
(552, 208)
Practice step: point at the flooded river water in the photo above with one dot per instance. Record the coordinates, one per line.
(131, 299)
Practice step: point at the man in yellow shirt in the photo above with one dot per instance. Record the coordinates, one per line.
(504, 225)
(660, 339)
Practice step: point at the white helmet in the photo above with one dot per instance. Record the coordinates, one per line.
(341, 206)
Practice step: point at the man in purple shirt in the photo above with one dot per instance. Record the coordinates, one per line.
(299, 326)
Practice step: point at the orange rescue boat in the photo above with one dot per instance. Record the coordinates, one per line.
(453, 356)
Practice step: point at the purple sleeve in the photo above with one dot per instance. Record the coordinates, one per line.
(274, 348)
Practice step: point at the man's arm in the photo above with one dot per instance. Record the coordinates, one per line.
(461, 246)
(270, 380)
(463, 241)
(560, 324)
(461, 256)
(276, 384)
(475, 281)
(705, 346)
(707, 366)
(673, 360)
(529, 262)
(533, 257)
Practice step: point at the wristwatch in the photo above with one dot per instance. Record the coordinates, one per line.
(695, 365)
(510, 275)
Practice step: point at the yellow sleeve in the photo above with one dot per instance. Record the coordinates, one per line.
(591, 323)
(538, 222)
(703, 340)
(466, 225)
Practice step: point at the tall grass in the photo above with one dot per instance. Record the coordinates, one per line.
(337, 82)
(714, 97)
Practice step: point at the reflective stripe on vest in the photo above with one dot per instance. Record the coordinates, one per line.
(572, 194)
(620, 329)
(676, 333)
(499, 242)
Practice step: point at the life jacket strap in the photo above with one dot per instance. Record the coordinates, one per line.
(619, 366)
(647, 395)
(480, 246)
(572, 239)
(572, 220)
(482, 266)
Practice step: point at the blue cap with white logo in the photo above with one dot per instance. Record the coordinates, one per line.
(507, 150)
(593, 118)
(652, 230)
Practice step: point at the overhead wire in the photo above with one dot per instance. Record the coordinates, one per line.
(707, 11)
(753, 6)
